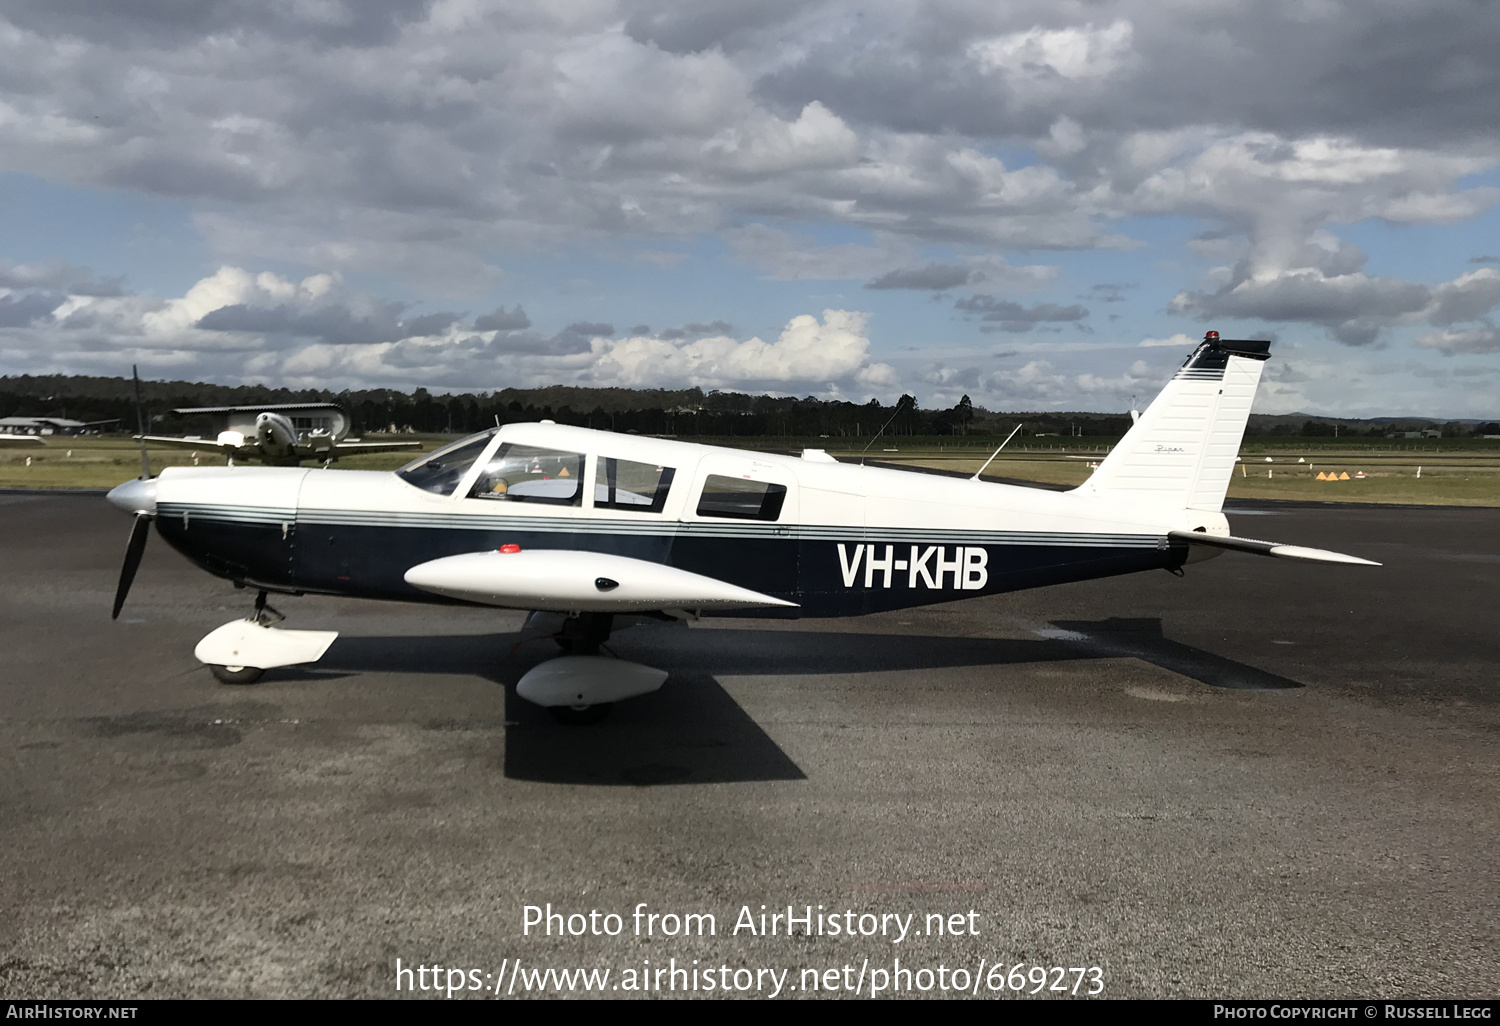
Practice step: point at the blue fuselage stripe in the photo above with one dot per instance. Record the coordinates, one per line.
(828, 571)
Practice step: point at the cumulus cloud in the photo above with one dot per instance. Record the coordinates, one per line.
(57, 277)
(1355, 308)
(899, 145)
(789, 257)
(990, 270)
(1108, 292)
(18, 310)
(239, 325)
(1073, 54)
(411, 138)
(501, 319)
(1043, 384)
(768, 145)
(933, 277)
(1178, 340)
(1467, 298)
(1478, 340)
(416, 135)
(808, 350)
(1279, 195)
(725, 24)
(695, 329)
(1012, 316)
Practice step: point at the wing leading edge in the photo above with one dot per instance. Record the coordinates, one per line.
(321, 449)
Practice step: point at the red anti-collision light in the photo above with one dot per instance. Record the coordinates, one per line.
(1211, 336)
(509, 547)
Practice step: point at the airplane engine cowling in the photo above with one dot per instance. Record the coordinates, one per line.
(276, 436)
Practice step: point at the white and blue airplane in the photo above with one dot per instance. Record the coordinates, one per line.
(590, 529)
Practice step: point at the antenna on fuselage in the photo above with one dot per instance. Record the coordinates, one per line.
(996, 453)
(899, 403)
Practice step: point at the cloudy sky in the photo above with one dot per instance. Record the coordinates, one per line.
(1040, 204)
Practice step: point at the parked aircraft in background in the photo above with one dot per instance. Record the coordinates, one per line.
(33, 430)
(591, 530)
(280, 435)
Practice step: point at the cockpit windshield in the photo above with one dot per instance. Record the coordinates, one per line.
(528, 473)
(441, 471)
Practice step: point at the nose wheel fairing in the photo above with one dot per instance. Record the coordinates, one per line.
(248, 644)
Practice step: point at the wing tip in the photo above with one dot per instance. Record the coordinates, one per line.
(1318, 555)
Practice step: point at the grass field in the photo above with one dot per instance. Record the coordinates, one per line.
(1453, 472)
(1446, 483)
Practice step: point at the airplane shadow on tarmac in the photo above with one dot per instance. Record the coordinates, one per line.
(693, 731)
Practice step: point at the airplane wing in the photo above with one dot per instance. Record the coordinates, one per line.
(201, 444)
(356, 449)
(1265, 548)
(567, 580)
(6, 439)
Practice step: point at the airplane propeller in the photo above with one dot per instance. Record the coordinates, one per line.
(138, 497)
(139, 532)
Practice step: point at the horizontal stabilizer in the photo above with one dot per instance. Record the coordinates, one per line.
(1265, 548)
(568, 580)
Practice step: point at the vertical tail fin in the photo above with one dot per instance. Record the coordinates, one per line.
(1182, 450)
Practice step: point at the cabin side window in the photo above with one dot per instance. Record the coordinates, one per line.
(529, 473)
(441, 471)
(739, 499)
(623, 484)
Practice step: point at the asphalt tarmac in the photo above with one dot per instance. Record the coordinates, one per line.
(1264, 779)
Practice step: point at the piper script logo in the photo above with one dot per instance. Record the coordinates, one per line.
(926, 567)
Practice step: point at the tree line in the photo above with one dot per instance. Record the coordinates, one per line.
(680, 412)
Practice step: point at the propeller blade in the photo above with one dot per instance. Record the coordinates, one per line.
(140, 425)
(139, 532)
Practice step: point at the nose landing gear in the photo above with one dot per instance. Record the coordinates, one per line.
(235, 674)
(241, 650)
